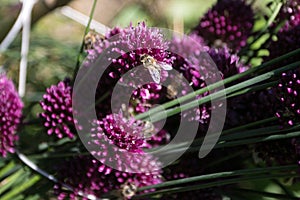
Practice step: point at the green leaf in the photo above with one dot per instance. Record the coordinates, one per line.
(21, 187)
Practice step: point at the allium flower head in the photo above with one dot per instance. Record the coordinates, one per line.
(124, 133)
(129, 44)
(89, 176)
(287, 107)
(187, 51)
(10, 114)
(201, 65)
(250, 107)
(288, 40)
(229, 22)
(112, 145)
(290, 11)
(57, 110)
(188, 57)
(228, 63)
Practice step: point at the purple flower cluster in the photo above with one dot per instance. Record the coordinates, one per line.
(129, 44)
(192, 62)
(124, 133)
(228, 63)
(290, 12)
(288, 40)
(114, 137)
(57, 110)
(10, 115)
(229, 22)
(88, 176)
(115, 152)
(187, 52)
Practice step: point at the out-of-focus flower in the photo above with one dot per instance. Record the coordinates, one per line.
(250, 107)
(293, 22)
(288, 92)
(289, 12)
(89, 176)
(188, 167)
(57, 110)
(10, 115)
(286, 105)
(198, 64)
(228, 63)
(187, 53)
(229, 22)
(288, 40)
(282, 152)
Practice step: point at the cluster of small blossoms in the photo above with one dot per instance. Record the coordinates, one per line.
(200, 65)
(10, 115)
(187, 52)
(284, 96)
(289, 12)
(114, 134)
(125, 133)
(228, 63)
(229, 22)
(89, 177)
(288, 40)
(57, 110)
(189, 167)
(129, 44)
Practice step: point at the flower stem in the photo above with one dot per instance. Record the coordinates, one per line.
(214, 96)
(260, 172)
(264, 29)
(224, 82)
(262, 194)
(87, 28)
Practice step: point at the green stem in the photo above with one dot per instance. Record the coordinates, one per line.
(219, 175)
(61, 155)
(219, 83)
(263, 194)
(223, 143)
(237, 133)
(284, 189)
(257, 140)
(218, 161)
(217, 183)
(264, 29)
(87, 28)
(215, 96)
(253, 89)
(250, 125)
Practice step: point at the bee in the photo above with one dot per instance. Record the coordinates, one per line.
(154, 67)
(175, 86)
(128, 190)
(148, 129)
(91, 38)
(126, 111)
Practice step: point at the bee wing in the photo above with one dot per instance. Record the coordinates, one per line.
(155, 74)
(165, 66)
